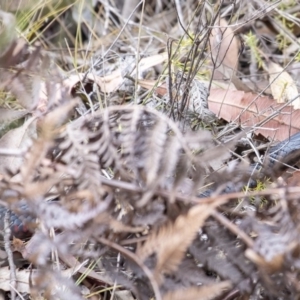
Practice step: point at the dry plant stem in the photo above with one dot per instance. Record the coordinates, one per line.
(233, 228)
(259, 14)
(7, 233)
(72, 262)
(223, 197)
(169, 85)
(134, 258)
(133, 241)
(232, 295)
(138, 53)
(180, 21)
(121, 31)
(179, 13)
(128, 7)
(195, 59)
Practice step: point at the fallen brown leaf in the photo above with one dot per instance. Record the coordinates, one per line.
(272, 120)
(224, 48)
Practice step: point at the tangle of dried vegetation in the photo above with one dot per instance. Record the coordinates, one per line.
(117, 194)
(119, 187)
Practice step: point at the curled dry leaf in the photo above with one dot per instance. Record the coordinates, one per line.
(113, 81)
(107, 84)
(283, 86)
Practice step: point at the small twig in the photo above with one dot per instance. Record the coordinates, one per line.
(189, 199)
(233, 228)
(136, 259)
(7, 234)
(232, 295)
(180, 18)
(138, 53)
(121, 31)
(133, 241)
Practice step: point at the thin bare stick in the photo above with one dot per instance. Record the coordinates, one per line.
(7, 233)
(134, 258)
(233, 228)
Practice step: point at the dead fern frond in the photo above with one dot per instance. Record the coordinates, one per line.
(132, 143)
(179, 235)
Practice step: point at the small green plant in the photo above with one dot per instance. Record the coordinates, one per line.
(286, 23)
(251, 41)
(260, 186)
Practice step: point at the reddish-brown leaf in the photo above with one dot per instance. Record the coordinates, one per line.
(272, 120)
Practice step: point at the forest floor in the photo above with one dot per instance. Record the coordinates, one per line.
(137, 145)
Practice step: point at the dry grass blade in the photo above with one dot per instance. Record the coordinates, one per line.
(208, 292)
